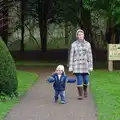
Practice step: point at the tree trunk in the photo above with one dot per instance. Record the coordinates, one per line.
(4, 26)
(117, 34)
(74, 29)
(86, 18)
(66, 33)
(43, 33)
(113, 36)
(86, 24)
(42, 14)
(110, 31)
(22, 26)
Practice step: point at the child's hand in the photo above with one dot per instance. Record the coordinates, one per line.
(54, 72)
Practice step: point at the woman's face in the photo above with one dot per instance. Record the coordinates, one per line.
(80, 36)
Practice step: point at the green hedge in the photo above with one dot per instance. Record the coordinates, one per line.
(8, 77)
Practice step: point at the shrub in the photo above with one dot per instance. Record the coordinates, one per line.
(8, 76)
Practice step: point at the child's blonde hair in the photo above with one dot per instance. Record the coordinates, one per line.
(60, 67)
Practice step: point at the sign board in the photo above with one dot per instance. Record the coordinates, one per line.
(113, 52)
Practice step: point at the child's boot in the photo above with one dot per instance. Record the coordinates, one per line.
(63, 102)
(56, 99)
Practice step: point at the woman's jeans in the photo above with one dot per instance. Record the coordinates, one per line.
(82, 79)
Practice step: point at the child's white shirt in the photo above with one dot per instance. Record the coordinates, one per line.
(59, 76)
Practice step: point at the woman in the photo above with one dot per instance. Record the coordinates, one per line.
(81, 62)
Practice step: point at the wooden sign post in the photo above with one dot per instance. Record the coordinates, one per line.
(113, 55)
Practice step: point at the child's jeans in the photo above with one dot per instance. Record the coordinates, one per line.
(61, 93)
(82, 79)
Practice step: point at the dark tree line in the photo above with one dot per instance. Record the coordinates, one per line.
(74, 12)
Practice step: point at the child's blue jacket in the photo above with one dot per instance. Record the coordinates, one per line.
(60, 84)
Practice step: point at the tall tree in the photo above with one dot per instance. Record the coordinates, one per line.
(43, 11)
(42, 16)
(4, 5)
(22, 25)
(86, 22)
(67, 25)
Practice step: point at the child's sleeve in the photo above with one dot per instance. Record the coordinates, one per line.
(71, 80)
(51, 79)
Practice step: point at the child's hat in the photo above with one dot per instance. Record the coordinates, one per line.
(60, 67)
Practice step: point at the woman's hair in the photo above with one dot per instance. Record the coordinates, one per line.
(79, 30)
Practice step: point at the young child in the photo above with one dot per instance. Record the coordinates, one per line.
(59, 80)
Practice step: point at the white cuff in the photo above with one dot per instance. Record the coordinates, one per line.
(70, 69)
(90, 69)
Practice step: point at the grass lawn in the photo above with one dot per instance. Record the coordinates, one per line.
(105, 87)
(25, 79)
(97, 65)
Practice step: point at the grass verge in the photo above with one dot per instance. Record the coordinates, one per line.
(105, 89)
(26, 80)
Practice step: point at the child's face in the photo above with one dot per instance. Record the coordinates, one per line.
(59, 72)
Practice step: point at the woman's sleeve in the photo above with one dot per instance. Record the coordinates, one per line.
(90, 57)
(71, 56)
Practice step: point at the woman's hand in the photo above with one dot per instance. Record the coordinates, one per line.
(70, 69)
(90, 69)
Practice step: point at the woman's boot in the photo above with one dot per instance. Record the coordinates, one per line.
(80, 92)
(85, 90)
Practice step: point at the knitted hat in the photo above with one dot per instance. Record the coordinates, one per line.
(60, 67)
